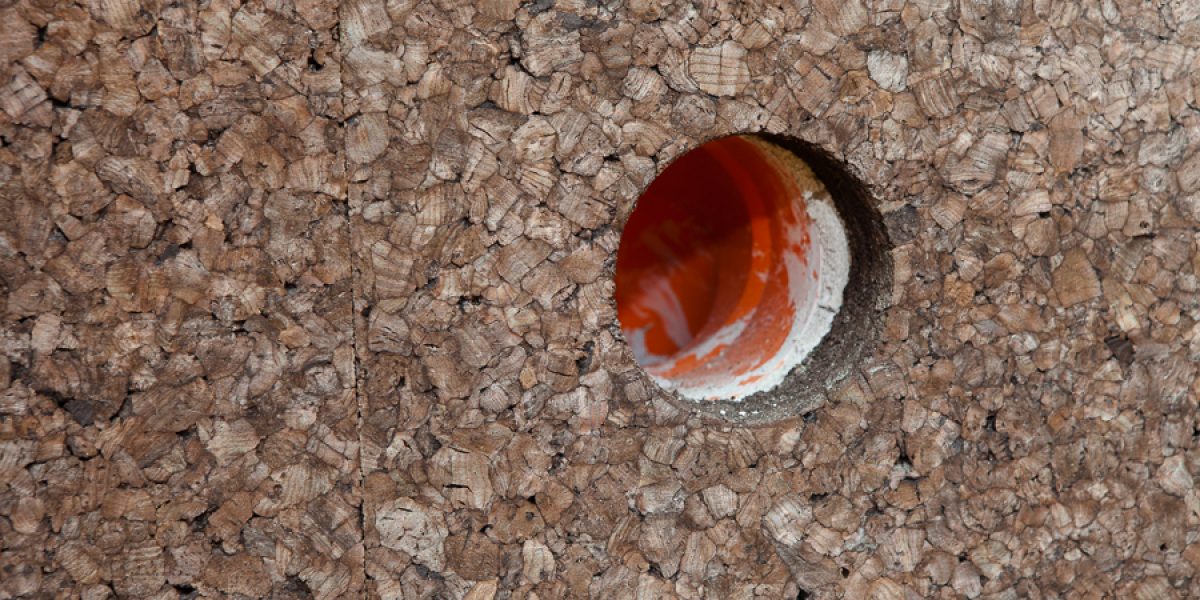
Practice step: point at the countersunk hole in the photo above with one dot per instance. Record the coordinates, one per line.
(748, 276)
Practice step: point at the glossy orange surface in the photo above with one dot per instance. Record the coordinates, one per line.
(702, 283)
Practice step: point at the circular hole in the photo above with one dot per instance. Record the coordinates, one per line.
(732, 274)
(730, 270)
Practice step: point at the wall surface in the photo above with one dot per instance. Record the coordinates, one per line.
(314, 300)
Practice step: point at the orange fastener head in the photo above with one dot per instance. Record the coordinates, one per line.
(730, 269)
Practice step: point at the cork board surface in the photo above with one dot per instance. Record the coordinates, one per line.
(312, 299)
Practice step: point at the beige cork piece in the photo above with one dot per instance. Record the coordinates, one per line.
(314, 300)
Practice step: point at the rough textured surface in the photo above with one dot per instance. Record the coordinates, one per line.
(177, 410)
(196, 197)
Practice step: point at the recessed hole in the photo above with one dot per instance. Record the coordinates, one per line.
(732, 271)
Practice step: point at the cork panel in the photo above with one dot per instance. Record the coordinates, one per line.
(1025, 425)
(177, 416)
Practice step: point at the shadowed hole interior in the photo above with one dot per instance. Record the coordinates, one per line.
(733, 268)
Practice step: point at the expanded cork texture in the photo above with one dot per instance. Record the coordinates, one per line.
(315, 300)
